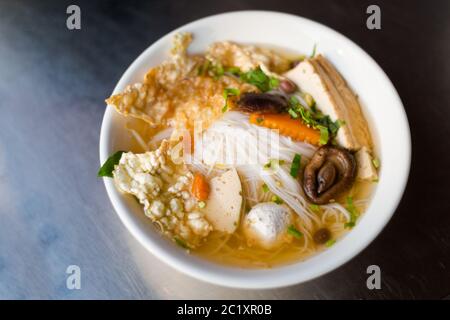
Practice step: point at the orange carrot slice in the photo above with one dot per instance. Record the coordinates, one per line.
(200, 187)
(287, 126)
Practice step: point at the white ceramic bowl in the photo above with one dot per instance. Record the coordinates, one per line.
(382, 107)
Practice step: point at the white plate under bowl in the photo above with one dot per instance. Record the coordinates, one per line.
(382, 107)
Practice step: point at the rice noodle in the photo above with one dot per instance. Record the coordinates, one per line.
(139, 140)
(234, 142)
(160, 136)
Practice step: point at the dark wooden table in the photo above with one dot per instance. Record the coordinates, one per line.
(56, 213)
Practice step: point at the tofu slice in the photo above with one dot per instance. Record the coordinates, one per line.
(366, 169)
(333, 97)
(223, 208)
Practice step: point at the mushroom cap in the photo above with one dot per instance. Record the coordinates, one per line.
(330, 171)
(266, 225)
(262, 102)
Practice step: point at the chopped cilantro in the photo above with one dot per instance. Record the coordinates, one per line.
(228, 92)
(265, 188)
(315, 119)
(233, 70)
(314, 207)
(259, 79)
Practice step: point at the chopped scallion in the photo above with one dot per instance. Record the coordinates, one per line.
(293, 231)
(277, 199)
(295, 166)
(330, 242)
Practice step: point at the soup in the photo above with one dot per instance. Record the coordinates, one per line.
(244, 155)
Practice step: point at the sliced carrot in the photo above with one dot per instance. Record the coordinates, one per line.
(287, 126)
(200, 187)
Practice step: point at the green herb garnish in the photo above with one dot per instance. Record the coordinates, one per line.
(376, 163)
(293, 231)
(309, 100)
(293, 114)
(314, 51)
(202, 204)
(265, 188)
(228, 92)
(277, 199)
(218, 71)
(108, 167)
(259, 79)
(259, 120)
(204, 68)
(233, 70)
(295, 166)
(353, 213)
(273, 164)
(314, 207)
(330, 242)
(324, 136)
(315, 119)
(181, 243)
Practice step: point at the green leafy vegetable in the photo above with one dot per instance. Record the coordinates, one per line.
(273, 164)
(353, 213)
(204, 68)
(293, 231)
(324, 136)
(228, 92)
(313, 54)
(202, 204)
(108, 167)
(376, 163)
(295, 166)
(293, 113)
(218, 71)
(309, 100)
(277, 199)
(315, 119)
(330, 242)
(181, 243)
(233, 70)
(259, 79)
(314, 207)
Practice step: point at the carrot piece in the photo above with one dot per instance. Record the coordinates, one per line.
(287, 126)
(200, 187)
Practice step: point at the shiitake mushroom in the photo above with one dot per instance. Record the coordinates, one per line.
(262, 103)
(321, 236)
(330, 171)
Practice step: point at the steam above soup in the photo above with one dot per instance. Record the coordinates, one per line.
(243, 155)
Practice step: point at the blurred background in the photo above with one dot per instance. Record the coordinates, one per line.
(55, 212)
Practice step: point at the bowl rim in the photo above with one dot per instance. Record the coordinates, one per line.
(253, 278)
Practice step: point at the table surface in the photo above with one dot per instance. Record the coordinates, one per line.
(55, 212)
